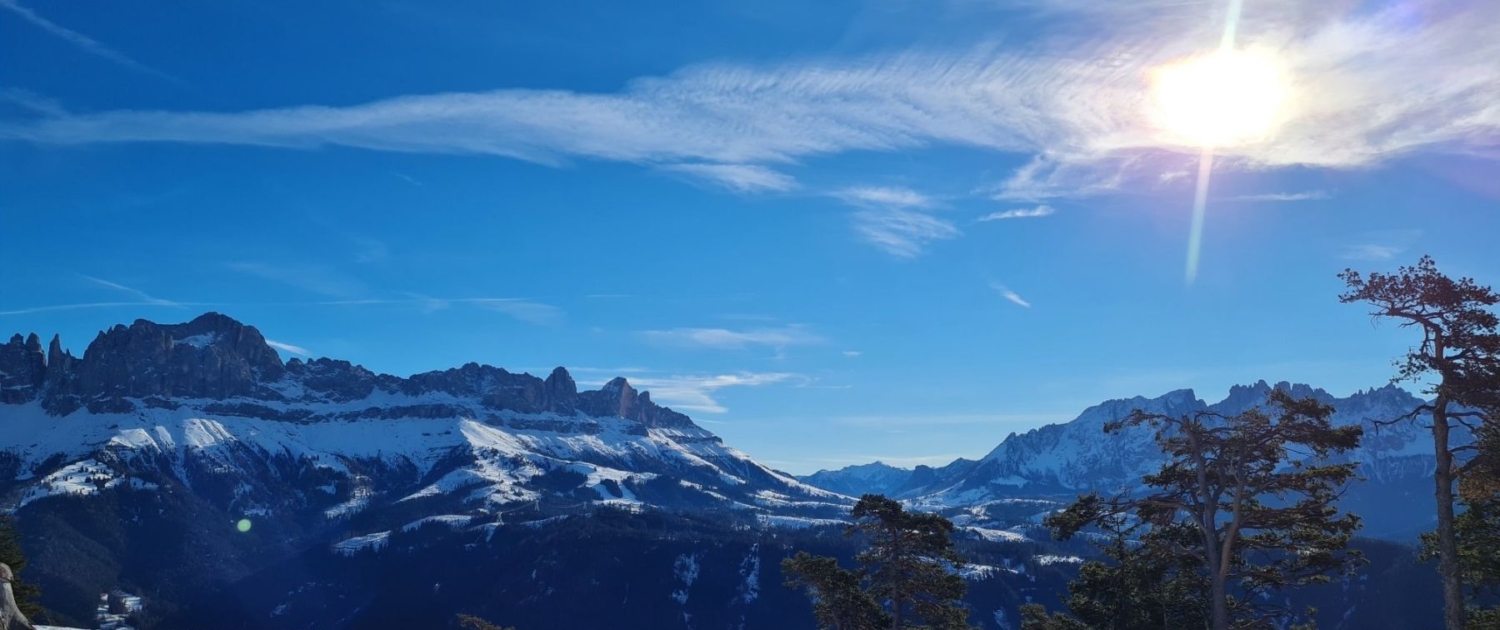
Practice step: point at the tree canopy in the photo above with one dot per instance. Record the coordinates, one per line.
(907, 576)
(1243, 506)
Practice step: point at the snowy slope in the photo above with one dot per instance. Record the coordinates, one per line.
(854, 481)
(281, 440)
(1051, 464)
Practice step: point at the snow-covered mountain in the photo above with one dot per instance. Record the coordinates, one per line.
(238, 490)
(854, 481)
(1048, 465)
(208, 404)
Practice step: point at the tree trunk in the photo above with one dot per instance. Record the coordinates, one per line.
(1453, 588)
(1220, 597)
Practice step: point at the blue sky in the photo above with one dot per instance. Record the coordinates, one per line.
(832, 232)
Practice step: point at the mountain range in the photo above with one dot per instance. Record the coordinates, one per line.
(1060, 461)
(190, 464)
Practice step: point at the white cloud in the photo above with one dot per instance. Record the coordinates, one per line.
(33, 102)
(921, 421)
(884, 196)
(1019, 213)
(312, 278)
(1310, 195)
(896, 219)
(1368, 84)
(740, 178)
(725, 339)
(144, 297)
(852, 353)
(902, 233)
(286, 347)
(52, 308)
(81, 41)
(1371, 251)
(1009, 295)
(523, 310)
(1380, 245)
(696, 393)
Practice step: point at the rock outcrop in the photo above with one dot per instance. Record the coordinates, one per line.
(216, 358)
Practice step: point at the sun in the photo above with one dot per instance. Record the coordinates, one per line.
(1225, 98)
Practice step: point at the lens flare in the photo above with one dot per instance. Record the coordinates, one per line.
(1224, 98)
(243, 525)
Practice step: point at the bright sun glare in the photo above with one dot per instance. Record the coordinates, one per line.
(1225, 98)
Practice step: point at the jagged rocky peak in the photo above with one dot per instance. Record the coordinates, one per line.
(212, 356)
(1242, 398)
(618, 398)
(23, 369)
(215, 357)
(562, 390)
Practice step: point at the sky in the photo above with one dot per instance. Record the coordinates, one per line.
(831, 232)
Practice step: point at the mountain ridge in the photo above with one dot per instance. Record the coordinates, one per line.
(216, 357)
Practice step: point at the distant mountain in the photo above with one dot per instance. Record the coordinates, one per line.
(192, 426)
(1030, 473)
(854, 481)
(190, 464)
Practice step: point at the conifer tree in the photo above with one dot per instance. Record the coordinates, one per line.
(907, 578)
(1459, 356)
(1243, 506)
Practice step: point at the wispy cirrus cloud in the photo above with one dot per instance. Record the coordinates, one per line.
(53, 308)
(520, 309)
(740, 178)
(1309, 195)
(1371, 251)
(82, 42)
(918, 421)
(896, 220)
(1010, 295)
(1020, 213)
(145, 298)
(138, 299)
(286, 347)
(1367, 85)
(313, 278)
(695, 393)
(1380, 245)
(902, 233)
(726, 339)
(525, 310)
(885, 197)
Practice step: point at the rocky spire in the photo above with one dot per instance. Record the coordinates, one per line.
(22, 369)
(212, 356)
(617, 398)
(562, 392)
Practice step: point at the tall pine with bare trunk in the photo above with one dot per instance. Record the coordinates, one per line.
(1459, 361)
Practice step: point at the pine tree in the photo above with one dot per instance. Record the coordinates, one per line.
(1460, 349)
(1142, 584)
(11, 554)
(471, 622)
(1243, 506)
(839, 602)
(1477, 530)
(907, 577)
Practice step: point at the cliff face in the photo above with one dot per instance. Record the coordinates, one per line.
(214, 357)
